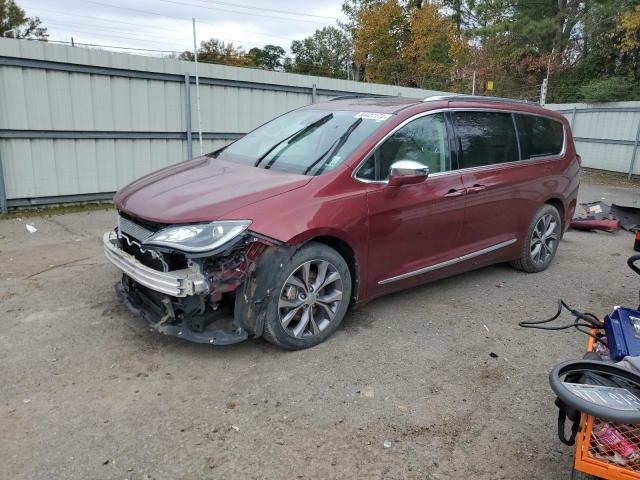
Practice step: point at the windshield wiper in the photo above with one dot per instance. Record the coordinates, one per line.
(335, 147)
(293, 137)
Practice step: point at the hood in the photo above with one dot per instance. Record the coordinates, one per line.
(203, 189)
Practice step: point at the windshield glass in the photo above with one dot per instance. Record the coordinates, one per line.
(310, 142)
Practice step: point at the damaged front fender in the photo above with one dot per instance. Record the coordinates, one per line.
(252, 297)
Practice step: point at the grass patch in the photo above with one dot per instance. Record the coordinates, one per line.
(61, 210)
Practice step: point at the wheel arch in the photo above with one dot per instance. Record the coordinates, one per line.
(558, 204)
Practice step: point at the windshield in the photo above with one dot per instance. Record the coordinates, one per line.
(309, 142)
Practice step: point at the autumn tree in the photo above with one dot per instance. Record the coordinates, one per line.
(434, 48)
(628, 39)
(326, 52)
(379, 33)
(412, 43)
(14, 22)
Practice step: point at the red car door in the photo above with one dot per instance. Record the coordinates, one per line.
(487, 144)
(413, 228)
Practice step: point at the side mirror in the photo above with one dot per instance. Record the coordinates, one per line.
(405, 172)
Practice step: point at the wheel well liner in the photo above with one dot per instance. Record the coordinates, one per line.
(559, 205)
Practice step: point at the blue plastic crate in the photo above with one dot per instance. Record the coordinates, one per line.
(622, 328)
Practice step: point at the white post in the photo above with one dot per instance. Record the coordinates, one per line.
(473, 84)
(195, 59)
(543, 92)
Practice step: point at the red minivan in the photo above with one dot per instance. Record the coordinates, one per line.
(334, 204)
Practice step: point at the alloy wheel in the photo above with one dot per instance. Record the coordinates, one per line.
(310, 298)
(544, 239)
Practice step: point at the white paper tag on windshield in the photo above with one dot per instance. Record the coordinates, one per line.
(378, 117)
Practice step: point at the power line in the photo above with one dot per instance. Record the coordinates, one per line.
(98, 18)
(102, 46)
(148, 12)
(255, 7)
(96, 30)
(111, 22)
(220, 9)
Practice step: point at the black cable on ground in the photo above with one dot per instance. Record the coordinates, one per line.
(582, 320)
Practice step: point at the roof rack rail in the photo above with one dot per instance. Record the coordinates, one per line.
(359, 95)
(478, 98)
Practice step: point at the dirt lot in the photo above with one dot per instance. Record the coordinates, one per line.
(88, 392)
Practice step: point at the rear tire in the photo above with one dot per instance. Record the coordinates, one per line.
(310, 298)
(541, 241)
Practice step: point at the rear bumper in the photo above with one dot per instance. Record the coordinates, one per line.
(178, 283)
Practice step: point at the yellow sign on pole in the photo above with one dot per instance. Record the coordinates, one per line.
(490, 85)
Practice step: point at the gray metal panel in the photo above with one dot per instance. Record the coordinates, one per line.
(605, 134)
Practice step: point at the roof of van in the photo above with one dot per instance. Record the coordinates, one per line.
(382, 104)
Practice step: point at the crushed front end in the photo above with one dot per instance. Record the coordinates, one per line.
(181, 290)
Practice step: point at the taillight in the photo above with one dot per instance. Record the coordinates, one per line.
(579, 158)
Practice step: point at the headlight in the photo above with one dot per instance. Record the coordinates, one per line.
(199, 237)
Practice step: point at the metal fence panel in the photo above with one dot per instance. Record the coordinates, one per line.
(606, 135)
(77, 121)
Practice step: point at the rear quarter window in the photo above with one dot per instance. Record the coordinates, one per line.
(539, 136)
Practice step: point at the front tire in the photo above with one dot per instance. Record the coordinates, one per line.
(541, 242)
(310, 298)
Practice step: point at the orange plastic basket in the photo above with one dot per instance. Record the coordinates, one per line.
(600, 461)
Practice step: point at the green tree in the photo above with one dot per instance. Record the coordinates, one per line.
(327, 52)
(14, 22)
(270, 57)
(217, 51)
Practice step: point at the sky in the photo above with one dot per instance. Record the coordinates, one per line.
(166, 24)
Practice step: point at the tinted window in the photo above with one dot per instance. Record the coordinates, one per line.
(485, 138)
(539, 136)
(423, 140)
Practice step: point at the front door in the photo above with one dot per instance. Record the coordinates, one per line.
(413, 227)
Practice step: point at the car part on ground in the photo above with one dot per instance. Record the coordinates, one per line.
(609, 218)
(541, 242)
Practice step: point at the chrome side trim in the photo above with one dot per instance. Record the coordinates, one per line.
(178, 283)
(448, 263)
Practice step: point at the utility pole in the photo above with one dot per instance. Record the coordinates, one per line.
(545, 83)
(72, 44)
(473, 84)
(543, 92)
(195, 59)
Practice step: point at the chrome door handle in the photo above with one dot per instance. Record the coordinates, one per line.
(475, 189)
(455, 193)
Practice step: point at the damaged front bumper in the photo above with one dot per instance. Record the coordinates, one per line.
(178, 283)
(142, 305)
(184, 303)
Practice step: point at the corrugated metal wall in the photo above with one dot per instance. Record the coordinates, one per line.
(76, 121)
(607, 135)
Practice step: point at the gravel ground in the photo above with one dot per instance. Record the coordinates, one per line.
(442, 372)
